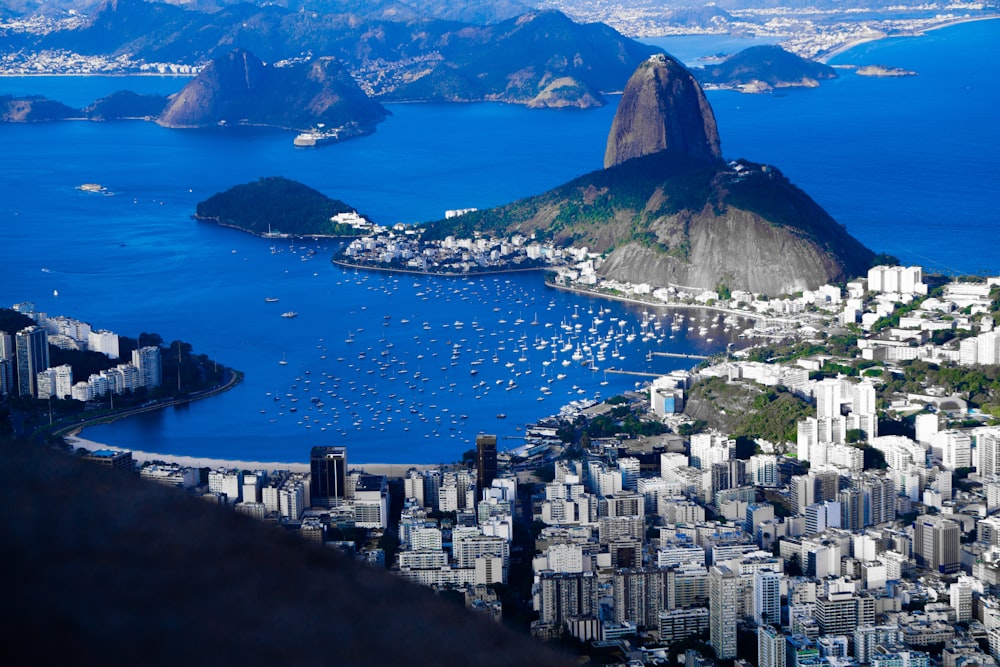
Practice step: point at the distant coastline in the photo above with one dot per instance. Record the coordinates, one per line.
(844, 48)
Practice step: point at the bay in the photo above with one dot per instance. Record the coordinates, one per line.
(908, 165)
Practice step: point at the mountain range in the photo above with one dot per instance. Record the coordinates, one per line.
(541, 58)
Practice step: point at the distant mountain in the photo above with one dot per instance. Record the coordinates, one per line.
(540, 58)
(277, 205)
(34, 109)
(239, 89)
(479, 12)
(125, 104)
(668, 210)
(769, 64)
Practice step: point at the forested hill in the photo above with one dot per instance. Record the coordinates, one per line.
(276, 205)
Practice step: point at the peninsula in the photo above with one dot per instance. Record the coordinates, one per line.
(59, 374)
(668, 210)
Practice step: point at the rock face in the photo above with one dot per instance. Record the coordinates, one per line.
(663, 109)
(239, 89)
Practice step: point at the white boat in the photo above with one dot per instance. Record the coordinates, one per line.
(289, 314)
(306, 139)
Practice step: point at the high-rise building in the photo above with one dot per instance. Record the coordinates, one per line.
(722, 611)
(328, 466)
(147, 360)
(766, 597)
(6, 364)
(828, 398)
(32, 350)
(936, 543)
(839, 613)
(851, 509)
(878, 499)
(486, 461)
(562, 596)
(770, 647)
(638, 596)
(988, 446)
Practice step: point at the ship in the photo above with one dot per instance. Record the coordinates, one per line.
(290, 314)
(306, 139)
(270, 299)
(315, 137)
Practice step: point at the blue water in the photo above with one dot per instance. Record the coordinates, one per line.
(908, 165)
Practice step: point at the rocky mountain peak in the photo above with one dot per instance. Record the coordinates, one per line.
(663, 109)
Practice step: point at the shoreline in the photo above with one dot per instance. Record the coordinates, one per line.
(363, 267)
(844, 48)
(602, 295)
(387, 469)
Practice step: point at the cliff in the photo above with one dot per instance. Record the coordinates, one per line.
(663, 109)
(239, 89)
(668, 210)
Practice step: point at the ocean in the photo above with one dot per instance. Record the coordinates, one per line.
(383, 363)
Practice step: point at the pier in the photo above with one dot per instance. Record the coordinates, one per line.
(678, 355)
(639, 373)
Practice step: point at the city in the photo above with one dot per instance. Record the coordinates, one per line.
(639, 532)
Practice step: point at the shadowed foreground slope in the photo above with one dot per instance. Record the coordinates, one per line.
(107, 568)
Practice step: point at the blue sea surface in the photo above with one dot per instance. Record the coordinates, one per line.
(908, 165)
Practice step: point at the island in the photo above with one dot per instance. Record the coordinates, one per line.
(277, 207)
(883, 70)
(760, 69)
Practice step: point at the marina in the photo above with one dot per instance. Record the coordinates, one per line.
(419, 374)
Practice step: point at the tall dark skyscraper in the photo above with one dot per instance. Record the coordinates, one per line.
(329, 475)
(486, 462)
(32, 350)
(6, 364)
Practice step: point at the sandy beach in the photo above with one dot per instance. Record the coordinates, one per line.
(826, 57)
(387, 469)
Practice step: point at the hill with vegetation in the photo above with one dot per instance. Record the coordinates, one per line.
(237, 88)
(769, 64)
(276, 205)
(125, 104)
(34, 109)
(747, 410)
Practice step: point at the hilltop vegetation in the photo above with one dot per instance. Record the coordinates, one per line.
(278, 205)
(747, 410)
